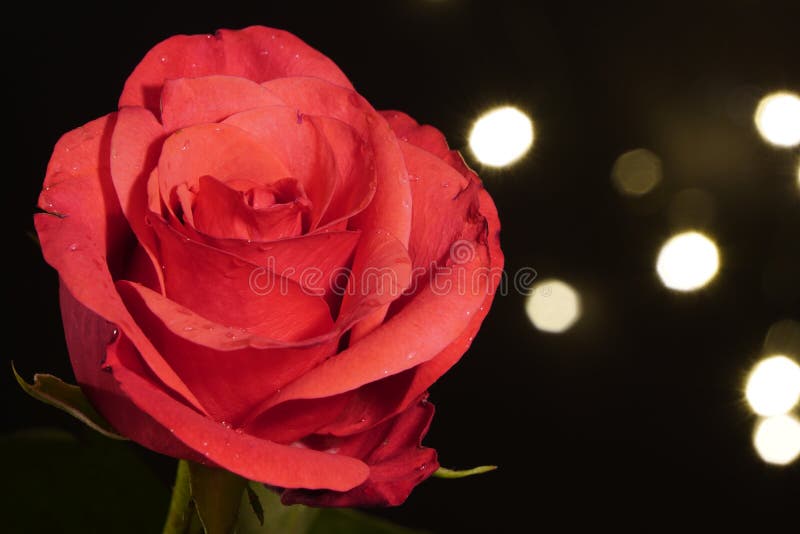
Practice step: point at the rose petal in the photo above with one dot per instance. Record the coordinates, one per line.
(223, 212)
(74, 242)
(189, 101)
(230, 291)
(88, 336)
(390, 208)
(414, 335)
(427, 138)
(312, 260)
(225, 152)
(300, 144)
(243, 376)
(256, 53)
(135, 143)
(377, 401)
(397, 462)
(240, 453)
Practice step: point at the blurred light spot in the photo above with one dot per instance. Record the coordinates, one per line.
(692, 208)
(501, 136)
(687, 261)
(553, 306)
(636, 172)
(778, 118)
(773, 387)
(777, 439)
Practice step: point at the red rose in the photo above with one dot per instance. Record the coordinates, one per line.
(261, 272)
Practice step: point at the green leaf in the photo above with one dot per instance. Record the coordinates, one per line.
(217, 494)
(443, 472)
(53, 391)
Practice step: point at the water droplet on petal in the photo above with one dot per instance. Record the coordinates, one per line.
(114, 335)
(188, 328)
(362, 420)
(163, 59)
(226, 424)
(264, 52)
(410, 355)
(73, 247)
(205, 444)
(297, 56)
(185, 145)
(423, 467)
(446, 185)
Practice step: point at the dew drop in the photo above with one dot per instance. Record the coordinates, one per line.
(406, 204)
(205, 444)
(362, 420)
(230, 335)
(264, 52)
(385, 372)
(385, 443)
(445, 184)
(410, 355)
(423, 467)
(163, 59)
(188, 328)
(272, 36)
(73, 247)
(226, 424)
(114, 335)
(297, 56)
(185, 145)
(239, 431)
(171, 430)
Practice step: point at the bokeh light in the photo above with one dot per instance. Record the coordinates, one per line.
(687, 261)
(636, 172)
(553, 306)
(778, 119)
(773, 387)
(777, 439)
(501, 136)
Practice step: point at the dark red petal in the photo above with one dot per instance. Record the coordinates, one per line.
(256, 53)
(135, 145)
(248, 456)
(221, 367)
(231, 291)
(189, 101)
(76, 241)
(390, 208)
(397, 462)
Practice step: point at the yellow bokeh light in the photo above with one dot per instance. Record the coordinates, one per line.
(687, 261)
(636, 172)
(773, 387)
(553, 306)
(777, 439)
(501, 136)
(778, 119)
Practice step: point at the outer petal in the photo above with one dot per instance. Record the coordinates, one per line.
(135, 145)
(397, 462)
(414, 335)
(189, 101)
(76, 240)
(88, 337)
(219, 445)
(232, 383)
(377, 401)
(256, 53)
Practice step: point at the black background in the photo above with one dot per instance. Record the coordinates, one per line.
(635, 417)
